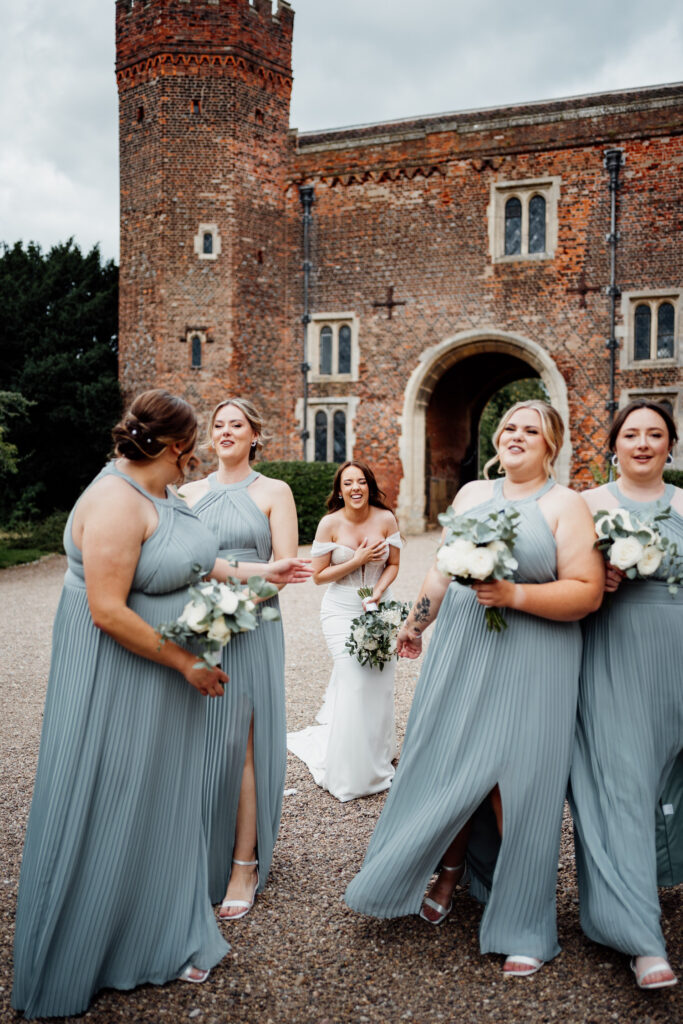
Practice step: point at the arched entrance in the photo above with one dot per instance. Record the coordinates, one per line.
(444, 399)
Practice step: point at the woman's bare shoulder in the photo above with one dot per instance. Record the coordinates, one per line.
(193, 490)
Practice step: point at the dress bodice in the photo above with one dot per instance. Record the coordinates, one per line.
(534, 547)
(242, 529)
(169, 557)
(367, 575)
(671, 527)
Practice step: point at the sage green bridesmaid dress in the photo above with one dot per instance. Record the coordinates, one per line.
(113, 886)
(628, 740)
(489, 709)
(255, 662)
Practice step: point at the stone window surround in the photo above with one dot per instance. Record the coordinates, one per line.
(348, 404)
(524, 190)
(652, 297)
(335, 321)
(202, 230)
(671, 394)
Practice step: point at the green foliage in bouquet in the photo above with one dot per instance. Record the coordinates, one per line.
(373, 634)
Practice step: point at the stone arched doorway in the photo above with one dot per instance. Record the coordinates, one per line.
(444, 399)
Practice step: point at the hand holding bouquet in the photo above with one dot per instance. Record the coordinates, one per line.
(373, 634)
(633, 545)
(479, 550)
(216, 611)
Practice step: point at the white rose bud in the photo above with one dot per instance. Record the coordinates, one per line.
(229, 601)
(481, 563)
(650, 561)
(193, 615)
(451, 558)
(218, 630)
(626, 552)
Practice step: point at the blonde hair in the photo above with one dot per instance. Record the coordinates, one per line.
(552, 429)
(252, 416)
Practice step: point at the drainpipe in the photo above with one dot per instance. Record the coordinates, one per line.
(306, 197)
(613, 161)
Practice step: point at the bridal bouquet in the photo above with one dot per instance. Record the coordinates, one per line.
(479, 549)
(373, 634)
(634, 545)
(216, 611)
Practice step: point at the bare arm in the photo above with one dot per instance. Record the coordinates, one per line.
(111, 535)
(423, 613)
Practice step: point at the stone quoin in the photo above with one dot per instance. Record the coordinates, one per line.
(449, 254)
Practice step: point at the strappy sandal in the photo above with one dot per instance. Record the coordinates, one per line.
(657, 968)
(245, 905)
(443, 912)
(186, 975)
(529, 963)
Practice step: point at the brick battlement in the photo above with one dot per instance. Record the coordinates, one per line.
(152, 31)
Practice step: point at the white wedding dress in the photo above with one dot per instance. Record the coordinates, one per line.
(351, 751)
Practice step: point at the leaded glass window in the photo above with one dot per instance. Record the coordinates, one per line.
(344, 350)
(642, 320)
(537, 224)
(321, 437)
(196, 350)
(326, 350)
(513, 226)
(207, 243)
(665, 331)
(339, 436)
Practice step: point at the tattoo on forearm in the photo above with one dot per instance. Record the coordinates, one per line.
(421, 610)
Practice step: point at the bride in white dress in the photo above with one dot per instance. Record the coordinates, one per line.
(357, 545)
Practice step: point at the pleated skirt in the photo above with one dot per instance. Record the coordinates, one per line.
(113, 886)
(629, 733)
(488, 709)
(255, 663)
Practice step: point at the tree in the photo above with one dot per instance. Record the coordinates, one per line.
(58, 350)
(517, 391)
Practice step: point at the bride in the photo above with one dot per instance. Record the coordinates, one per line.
(356, 545)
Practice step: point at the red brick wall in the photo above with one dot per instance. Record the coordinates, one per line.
(401, 204)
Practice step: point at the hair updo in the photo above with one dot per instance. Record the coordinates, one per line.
(155, 420)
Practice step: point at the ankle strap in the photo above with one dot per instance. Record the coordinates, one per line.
(245, 863)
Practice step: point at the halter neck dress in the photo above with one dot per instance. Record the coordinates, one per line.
(255, 662)
(488, 709)
(628, 737)
(113, 886)
(350, 752)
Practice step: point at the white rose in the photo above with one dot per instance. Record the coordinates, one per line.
(650, 561)
(625, 552)
(481, 563)
(358, 634)
(193, 615)
(218, 630)
(392, 616)
(496, 545)
(370, 644)
(451, 558)
(229, 601)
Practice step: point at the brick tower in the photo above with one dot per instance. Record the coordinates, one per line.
(204, 88)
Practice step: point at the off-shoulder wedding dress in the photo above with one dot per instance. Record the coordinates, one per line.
(350, 752)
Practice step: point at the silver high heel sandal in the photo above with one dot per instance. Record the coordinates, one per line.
(246, 905)
(443, 912)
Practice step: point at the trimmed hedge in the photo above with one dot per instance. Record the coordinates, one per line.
(311, 483)
(673, 476)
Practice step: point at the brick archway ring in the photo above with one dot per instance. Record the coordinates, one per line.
(432, 365)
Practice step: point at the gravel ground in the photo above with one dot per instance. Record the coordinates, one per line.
(301, 956)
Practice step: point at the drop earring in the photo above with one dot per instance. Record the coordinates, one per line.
(669, 460)
(615, 461)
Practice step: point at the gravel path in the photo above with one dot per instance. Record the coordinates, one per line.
(301, 957)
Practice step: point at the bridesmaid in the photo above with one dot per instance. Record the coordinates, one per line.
(112, 892)
(490, 732)
(253, 517)
(630, 724)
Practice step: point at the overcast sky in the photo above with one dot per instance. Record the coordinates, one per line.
(354, 61)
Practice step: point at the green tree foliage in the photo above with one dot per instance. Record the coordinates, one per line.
(517, 391)
(58, 349)
(311, 484)
(11, 404)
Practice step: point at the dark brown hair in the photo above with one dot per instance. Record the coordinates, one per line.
(375, 497)
(642, 403)
(155, 420)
